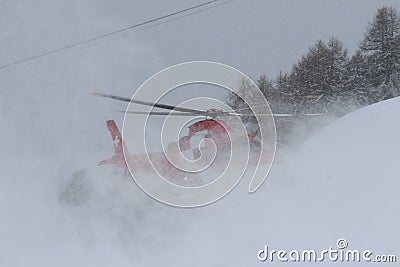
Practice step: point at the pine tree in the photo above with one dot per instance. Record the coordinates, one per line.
(287, 101)
(356, 82)
(307, 76)
(267, 88)
(335, 73)
(318, 79)
(381, 46)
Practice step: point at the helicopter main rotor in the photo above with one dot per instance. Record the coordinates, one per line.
(211, 113)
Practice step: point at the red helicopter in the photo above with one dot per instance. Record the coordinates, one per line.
(212, 127)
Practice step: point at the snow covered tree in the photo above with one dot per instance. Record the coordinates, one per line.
(335, 71)
(287, 97)
(306, 77)
(356, 82)
(318, 78)
(381, 47)
(263, 83)
(233, 100)
(271, 94)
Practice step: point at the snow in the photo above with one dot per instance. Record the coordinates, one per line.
(57, 209)
(342, 182)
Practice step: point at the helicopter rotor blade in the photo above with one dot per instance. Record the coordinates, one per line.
(220, 115)
(157, 105)
(196, 112)
(161, 113)
(278, 114)
(247, 108)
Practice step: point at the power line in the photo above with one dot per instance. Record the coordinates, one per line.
(123, 30)
(180, 17)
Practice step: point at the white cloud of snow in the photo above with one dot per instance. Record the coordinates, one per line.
(57, 209)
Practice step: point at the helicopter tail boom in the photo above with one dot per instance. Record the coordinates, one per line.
(118, 159)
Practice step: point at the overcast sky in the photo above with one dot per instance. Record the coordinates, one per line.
(253, 35)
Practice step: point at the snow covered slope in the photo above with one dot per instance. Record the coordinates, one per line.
(342, 183)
